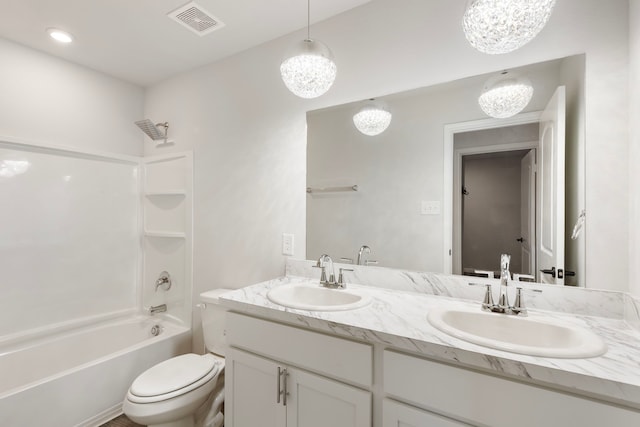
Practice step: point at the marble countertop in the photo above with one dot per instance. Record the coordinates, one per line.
(398, 319)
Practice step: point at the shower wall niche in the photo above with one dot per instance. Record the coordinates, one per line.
(167, 240)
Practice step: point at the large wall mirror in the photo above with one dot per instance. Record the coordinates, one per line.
(446, 188)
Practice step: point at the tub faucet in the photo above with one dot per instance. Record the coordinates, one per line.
(157, 309)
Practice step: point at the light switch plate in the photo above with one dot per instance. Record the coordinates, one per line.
(287, 244)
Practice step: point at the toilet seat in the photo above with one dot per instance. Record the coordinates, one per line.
(174, 377)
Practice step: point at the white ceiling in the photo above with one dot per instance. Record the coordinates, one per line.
(135, 40)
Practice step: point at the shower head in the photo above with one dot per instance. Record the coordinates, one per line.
(152, 130)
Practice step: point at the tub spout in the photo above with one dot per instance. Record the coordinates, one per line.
(157, 309)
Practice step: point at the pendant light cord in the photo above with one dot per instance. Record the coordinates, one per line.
(308, 18)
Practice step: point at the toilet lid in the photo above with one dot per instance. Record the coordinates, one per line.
(173, 374)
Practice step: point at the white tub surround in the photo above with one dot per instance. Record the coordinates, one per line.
(79, 377)
(73, 256)
(397, 319)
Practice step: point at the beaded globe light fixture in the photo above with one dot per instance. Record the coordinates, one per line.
(502, 26)
(372, 119)
(505, 95)
(309, 71)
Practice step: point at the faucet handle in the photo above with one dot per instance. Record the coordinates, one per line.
(370, 262)
(341, 278)
(346, 260)
(518, 305)
(164, 281)
(323, 273)
(487, 301)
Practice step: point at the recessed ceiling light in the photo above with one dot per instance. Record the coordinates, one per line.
(59, 35)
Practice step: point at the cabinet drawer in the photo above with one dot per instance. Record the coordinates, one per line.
(485, 399)
(395, 414)
(335, 357)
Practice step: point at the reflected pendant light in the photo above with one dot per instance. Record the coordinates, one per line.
(372, 119)
(309, 71)
(505, 95)
(502, 26)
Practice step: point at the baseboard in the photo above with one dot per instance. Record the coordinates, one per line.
(102, 417)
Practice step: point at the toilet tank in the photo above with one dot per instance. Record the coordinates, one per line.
(213, 320)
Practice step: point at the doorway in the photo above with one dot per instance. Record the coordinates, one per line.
(498, 211)
(475, 137)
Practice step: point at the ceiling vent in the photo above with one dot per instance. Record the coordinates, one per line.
(196, 19)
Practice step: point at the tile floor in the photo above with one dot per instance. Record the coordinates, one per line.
(121, 421)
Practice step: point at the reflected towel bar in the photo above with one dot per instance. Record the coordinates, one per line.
(331, 189)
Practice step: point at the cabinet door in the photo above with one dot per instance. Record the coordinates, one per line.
(395, 414)
(251, 387)
(316, 401)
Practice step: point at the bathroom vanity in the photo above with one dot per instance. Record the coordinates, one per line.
(383, 364)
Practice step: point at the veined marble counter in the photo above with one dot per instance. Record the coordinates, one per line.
(398, 319)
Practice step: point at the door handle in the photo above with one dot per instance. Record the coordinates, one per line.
(285, 374)
(282, 386)
(521, 239)
(552, 272)
(279, 390)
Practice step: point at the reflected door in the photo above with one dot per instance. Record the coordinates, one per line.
(527, 212)
(550, 185)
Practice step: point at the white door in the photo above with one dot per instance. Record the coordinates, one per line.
(251, 386)
(527, 212)
(317, 401)
(551, 160)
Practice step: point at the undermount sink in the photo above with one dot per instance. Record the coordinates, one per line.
(522, 335)
(317, 298)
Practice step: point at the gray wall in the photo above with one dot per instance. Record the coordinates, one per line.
(634, 157)
(49, 100)
(491, 210)
(397, 170)
(248, 132)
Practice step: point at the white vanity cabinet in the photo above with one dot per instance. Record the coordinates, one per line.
(481, 399)
(281, 376)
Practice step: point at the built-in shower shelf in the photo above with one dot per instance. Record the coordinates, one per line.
(170, 234)
(166, 193)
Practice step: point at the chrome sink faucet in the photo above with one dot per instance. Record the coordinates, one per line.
(503, 300)
(362, 256)
(505, 276)
(331, 281)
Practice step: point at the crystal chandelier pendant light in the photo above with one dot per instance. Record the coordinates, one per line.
(505, 95)
(372, 119)
(309, 71)
(502, 26)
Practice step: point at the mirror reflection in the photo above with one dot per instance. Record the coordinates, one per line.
(445, 188)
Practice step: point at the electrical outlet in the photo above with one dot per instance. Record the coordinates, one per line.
(430, 207)
(287, 244)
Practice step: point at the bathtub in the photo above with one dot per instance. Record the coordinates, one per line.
(80, 377)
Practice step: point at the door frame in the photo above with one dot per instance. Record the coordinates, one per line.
(448, 206)
(457, 183)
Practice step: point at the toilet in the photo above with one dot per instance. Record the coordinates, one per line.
(185, 390)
